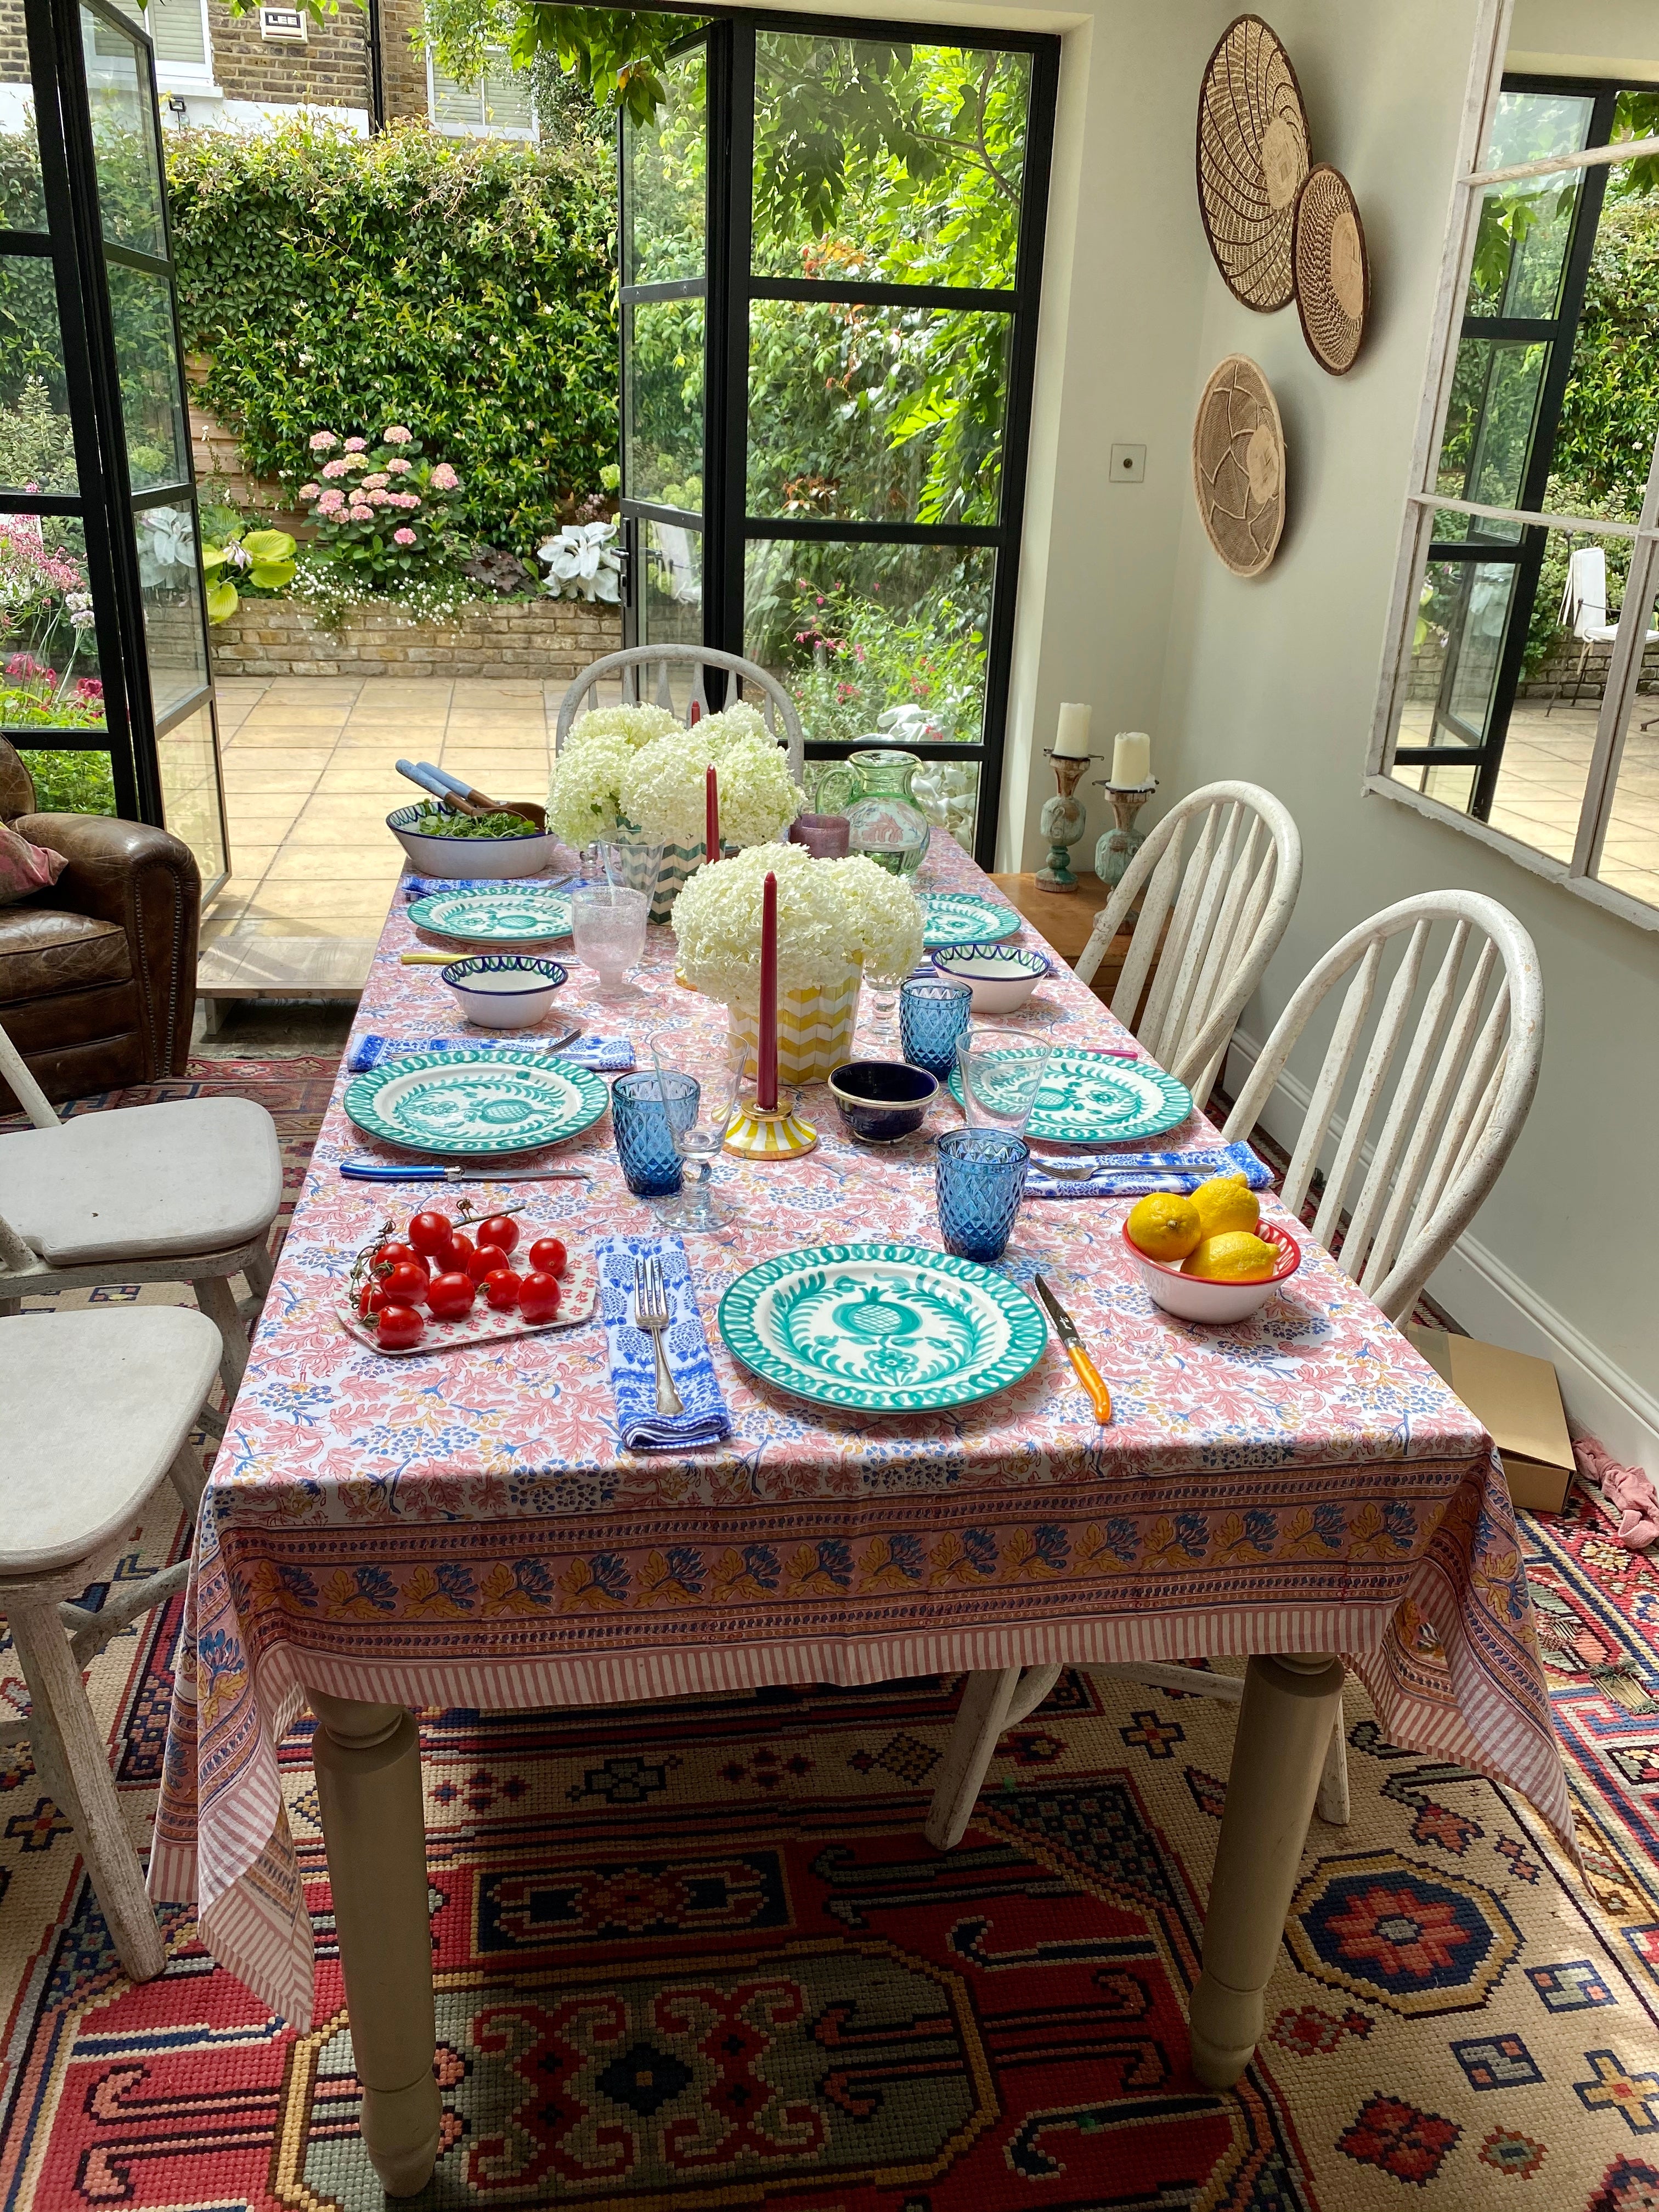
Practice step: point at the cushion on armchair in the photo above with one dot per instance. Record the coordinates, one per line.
(25, 867)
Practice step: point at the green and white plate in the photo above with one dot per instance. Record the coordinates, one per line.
(964, 918)
(1092, 1098)
(503, 917)
(882, 1328)
(461, 1108)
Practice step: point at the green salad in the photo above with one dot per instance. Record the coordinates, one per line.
(435, 822)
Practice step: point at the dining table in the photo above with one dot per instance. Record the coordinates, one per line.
(465, 1528)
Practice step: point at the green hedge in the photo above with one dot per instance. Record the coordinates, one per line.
(464, 287)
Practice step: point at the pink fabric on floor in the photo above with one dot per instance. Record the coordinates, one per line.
(1628, 1492)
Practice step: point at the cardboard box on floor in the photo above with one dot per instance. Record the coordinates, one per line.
(1518, 1400)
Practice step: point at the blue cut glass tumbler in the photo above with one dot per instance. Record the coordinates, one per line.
(932, 1016)
(645, 1111)
(980, 1176)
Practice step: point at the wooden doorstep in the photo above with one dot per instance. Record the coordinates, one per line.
(285, 967)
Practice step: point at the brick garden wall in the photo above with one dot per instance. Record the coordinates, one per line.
(526, 639)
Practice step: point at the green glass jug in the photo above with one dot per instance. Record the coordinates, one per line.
(884, 823)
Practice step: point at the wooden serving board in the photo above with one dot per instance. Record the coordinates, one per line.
(579, 1290)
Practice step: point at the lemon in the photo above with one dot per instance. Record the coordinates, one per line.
(1234, 1256)
(1164, 1226)
(1226, 1202)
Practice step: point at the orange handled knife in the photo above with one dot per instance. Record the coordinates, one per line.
(1087, 1373)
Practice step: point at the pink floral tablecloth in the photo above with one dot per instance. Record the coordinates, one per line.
(463, 1528)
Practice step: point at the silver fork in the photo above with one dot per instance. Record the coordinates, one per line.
(651, 1314)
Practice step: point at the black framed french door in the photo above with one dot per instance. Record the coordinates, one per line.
(831, 240)
(104, 632)
(1514, 363)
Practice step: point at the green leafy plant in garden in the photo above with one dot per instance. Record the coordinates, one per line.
(245, 563)
(463, 288)
(382, 512)
(70, 783)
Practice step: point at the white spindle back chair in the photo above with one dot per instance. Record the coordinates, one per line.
(1448, 1074)
(1216, 880)
(632, 671)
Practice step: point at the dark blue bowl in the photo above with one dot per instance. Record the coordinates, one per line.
(882, 1100)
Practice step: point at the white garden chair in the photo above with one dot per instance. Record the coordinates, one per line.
(632, 671)
(1216, 882)
(94, 1408)
(1448, 1076)
(182, 1192)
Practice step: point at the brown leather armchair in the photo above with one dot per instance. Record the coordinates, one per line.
(98, 975)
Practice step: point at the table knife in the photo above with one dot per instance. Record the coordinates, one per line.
(361, 1168)
(1087, 1373)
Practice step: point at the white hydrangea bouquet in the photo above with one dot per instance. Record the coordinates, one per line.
(835, 917)
(632, 775)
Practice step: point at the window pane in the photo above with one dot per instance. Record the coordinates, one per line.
(455, 107)
(190, 789)
(173, 607)
(1610, 408)
(670, 597)
(71, 782)
(664, 181)
(1489, 429)
(37, 447)
(1630, 852)
(152, 404)
(662, 402)
(1521, 247)
(22, 206)
(506, 102)
(889, 163)
(1459, 641)
(124, 134)
(857, 630)
(876, 413)
(49, 671)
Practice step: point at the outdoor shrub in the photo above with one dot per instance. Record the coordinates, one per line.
(37, 447)
(381, 512)
(462, 286)
(71, 783)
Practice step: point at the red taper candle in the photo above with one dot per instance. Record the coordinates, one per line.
(765, 1054)
(711, 815)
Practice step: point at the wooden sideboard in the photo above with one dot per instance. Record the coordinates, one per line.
(1066, 920)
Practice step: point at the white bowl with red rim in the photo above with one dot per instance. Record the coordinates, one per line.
(1196, 1297)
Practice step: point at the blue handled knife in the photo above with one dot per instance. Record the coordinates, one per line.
(360, 1168)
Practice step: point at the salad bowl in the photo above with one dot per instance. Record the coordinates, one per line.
(463, 856)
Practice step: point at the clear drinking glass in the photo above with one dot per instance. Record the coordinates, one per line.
(631, 867)
(714, 1072)
(881, 1033)
(1002, 1071)
(608, 925)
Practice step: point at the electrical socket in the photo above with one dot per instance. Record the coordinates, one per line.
(1128, 464)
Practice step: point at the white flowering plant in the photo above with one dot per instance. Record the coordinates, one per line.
(663, 793)
(832, 915)
(582, 798)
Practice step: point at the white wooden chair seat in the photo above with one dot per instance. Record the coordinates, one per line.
(147, 1183)
(94, 1409)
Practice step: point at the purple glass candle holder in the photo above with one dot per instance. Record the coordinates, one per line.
(826, 836)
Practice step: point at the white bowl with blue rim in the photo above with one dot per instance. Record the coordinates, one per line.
(503, 990)
(1000, 976)
(470, 858)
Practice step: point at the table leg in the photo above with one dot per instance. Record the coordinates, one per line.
(368, 1759)
(1284, 1728)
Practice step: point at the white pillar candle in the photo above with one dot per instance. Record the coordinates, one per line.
(1132, 759)
(1072, 737)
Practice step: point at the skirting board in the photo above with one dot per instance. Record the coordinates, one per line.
(1491, 1301)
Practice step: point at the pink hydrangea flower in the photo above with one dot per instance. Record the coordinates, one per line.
(309, 490)
(357, 445)
(398, 467)
(337, 468)
(408, 500)
(372, 481)
(331, 501)
(403, 537)
(399, 434)
(378, 498)
(359, 513)
(323, 441)
(444, 478)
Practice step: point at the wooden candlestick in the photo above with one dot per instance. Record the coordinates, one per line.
(766, 1052)
(1117, 847)
(1062, 820)
(711, 815)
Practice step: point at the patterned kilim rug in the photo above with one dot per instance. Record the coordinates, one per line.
(702, 1955)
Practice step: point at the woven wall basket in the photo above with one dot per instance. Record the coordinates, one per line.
(1252, 157)
(1238, 465)
(1333, 271)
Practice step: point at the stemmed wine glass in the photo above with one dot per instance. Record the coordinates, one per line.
(881, 1032)
(698, 1124)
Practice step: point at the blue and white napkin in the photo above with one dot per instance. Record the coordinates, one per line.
(633, 1362)
(608, 1054)
(1132, 1174)
(420, 887)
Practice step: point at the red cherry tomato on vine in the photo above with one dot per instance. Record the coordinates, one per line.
(538, 1297)
(400, 1327)
(483, 1261)
(429, 1233)
(450, 1295)
(548, 1255)
(501, 1289)
(405, 1284)
(396, 1253)
(501, 1231)
(457, 1255)
(370, 1299)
